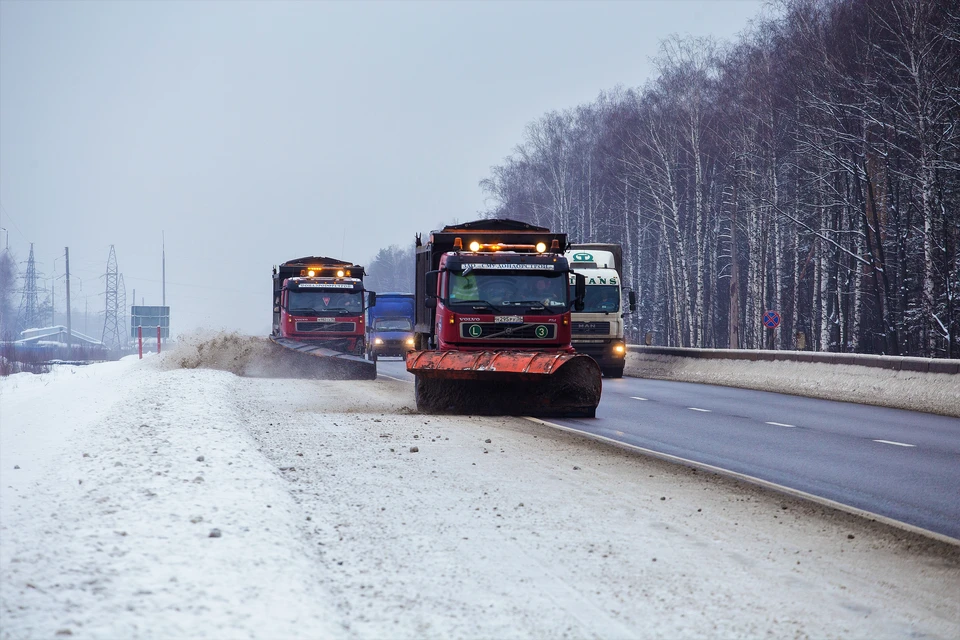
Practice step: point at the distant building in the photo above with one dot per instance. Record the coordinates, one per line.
(56, 335)
(50, 344)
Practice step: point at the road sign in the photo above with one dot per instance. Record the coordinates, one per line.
(149, 318)
(771, 319)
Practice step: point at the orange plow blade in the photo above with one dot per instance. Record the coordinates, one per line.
(505, 383)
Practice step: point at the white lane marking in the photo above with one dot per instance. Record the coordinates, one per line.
(899, 444)
(380, 375)
(695, 409)
(637, 398)
(780, 424)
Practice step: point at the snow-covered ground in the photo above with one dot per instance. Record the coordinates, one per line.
(910, 390)
(342, 513)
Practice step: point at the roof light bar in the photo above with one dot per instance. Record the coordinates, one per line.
(540, 247)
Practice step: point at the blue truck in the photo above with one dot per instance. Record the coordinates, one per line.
(390, 326)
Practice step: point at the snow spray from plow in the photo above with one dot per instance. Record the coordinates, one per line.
(256, 357)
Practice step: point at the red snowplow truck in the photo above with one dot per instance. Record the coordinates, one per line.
(492, 329)
(318, 310)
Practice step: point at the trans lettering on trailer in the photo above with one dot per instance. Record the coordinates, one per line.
(595, 280)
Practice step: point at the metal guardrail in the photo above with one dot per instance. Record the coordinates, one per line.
(897, 363)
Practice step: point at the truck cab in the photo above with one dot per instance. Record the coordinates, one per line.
(598, 329)
(489, 300)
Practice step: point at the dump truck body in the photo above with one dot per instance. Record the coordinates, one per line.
(493, 324)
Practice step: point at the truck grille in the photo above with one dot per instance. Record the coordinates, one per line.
(585, 328)
(477, 330)
(336, 327)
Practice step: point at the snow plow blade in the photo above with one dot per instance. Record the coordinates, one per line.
(305, 360)
(505, 383)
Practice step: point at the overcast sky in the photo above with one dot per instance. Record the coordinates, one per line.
(255, 132)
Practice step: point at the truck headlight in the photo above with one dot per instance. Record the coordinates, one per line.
(619, 347)
(410, 342)
(377, 341)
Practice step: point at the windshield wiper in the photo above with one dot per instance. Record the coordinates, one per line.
(481, 304)
(309, 311)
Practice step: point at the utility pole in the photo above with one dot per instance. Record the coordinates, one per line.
(163, 246)
(69, 331)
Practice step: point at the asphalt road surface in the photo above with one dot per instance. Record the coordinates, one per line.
(902, 465)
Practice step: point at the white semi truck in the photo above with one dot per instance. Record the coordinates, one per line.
(598, 329)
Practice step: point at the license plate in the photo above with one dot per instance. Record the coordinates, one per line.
(326, 319)
(508, 319)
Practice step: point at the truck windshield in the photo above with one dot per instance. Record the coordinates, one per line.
(392, 324)
(318, 303)
(508, 291)
(603, 298)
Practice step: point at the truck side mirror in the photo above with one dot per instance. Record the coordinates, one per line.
(580, 290)
(632, 297)
(371, 299)
(430, 303)
(432, 278)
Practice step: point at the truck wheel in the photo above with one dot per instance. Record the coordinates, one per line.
(613, 372)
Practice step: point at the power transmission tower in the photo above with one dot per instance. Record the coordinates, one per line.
(112, 331)
(28, 316)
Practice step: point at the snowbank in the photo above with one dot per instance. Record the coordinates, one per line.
(931, 392)
(124, 475)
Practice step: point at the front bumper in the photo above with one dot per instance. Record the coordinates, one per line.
(606, 353)
(391, 345)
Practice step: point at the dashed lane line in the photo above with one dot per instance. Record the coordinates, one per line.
(638, 398)
(898, 444)
(701, 410)
(780, 424)
(380, 375)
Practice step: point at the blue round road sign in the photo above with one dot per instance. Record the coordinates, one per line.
(771, 319)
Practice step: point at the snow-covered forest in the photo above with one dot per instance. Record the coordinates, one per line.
(811, 167)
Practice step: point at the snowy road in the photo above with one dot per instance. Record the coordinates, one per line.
(331, 525)
(898, 464)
